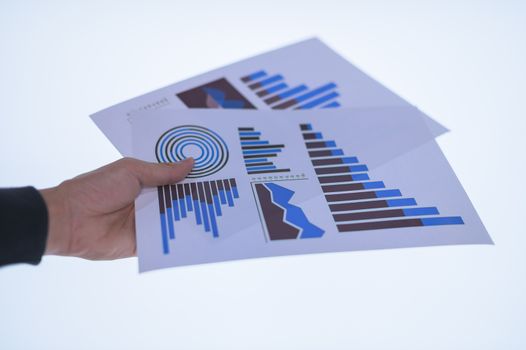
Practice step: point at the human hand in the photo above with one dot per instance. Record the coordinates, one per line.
(92, 216)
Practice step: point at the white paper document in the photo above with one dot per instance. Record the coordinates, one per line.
(296, 182)
(305, 75)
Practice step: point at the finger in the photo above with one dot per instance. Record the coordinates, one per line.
(154, 174)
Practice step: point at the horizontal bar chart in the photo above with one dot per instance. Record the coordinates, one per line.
(358, 203)
(202, 199)
(277, 93)
(259, 155)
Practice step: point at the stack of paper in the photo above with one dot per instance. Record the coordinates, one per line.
(297, 151)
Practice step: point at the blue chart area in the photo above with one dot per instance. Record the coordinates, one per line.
(356, 202)
(209, 150)
(282, 219)
(258, 154)
(203, 200)
(275, 92)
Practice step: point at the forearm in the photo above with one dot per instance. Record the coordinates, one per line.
(23, 226)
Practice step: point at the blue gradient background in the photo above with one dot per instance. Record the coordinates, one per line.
(461, 62)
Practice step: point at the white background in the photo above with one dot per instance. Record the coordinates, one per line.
(461, 62)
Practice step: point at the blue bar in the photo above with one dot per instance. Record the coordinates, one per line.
(249, 133)
(292, 91)
(355, 168)
(247, 143)
(319, 101)
(330, 144)
(197, 213)
(388, 193)
(213, 222)
(421, 211)
(257, 75)
(401, 202)
(170, 223)
(276, 88)
(256, 168)
(349, 160)
(337, 152)
(229, 198)
(217, 205)
(270, 80)
(372, 185)
(164, 234)
(205, 215)
(175, 205)
(183, 207)
(318, 135)
(262, 151)
(360, 177)
(334, 104)
(315, 92)
(255, 160)
(234, 191)
(222, 197)
(451, 220)
(188, 201)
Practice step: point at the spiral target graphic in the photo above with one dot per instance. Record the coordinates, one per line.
(206, 146)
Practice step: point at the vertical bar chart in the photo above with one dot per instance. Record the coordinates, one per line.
(358, 203)
(203, 200)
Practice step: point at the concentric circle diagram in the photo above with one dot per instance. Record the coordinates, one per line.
(206, 146)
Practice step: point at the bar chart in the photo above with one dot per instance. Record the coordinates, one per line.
(358, 203)
(258, 153)
(276, 93)
(203, 200)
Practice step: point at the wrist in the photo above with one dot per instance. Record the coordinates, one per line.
(58, 238)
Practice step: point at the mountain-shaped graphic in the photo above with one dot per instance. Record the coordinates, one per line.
(283, 219)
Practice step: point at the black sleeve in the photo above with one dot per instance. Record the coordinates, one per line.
(23, 226)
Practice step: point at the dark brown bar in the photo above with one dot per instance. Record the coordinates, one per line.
(379, 225)
(262, 93)
(167, 199)
(350, 196)
(366, 215)
(317, 144)
(332, 170)
(208, 192)
(358, 206)
(316, 154)
(245, 129)
(286, 104)
(309, 136)
(180, 191)
(327, 161)
(201, 191)
(268, 171)
(160, 195)
(220, 185)
(255, 86)
(249, 138)
(332, 179)
(272, 99)
(262, 147)
(250, 165)
(233, 182)
(343, 187)
(259, 155)
(305, 127)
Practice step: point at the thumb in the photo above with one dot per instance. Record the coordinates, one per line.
(155, 174)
